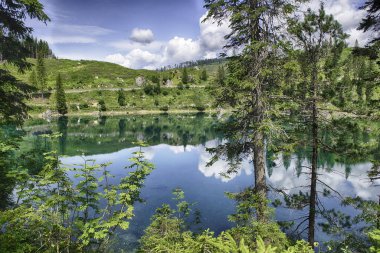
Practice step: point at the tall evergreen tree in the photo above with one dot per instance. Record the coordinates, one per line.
(121, 97)
(317, 34)
(204, 75)
(33, 78)
(61, 105)
(185, 76)
(221, 75)
(251, 76)
(41, 73)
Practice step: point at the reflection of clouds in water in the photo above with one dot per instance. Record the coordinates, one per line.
(149, 152)
(355, 185)
(220, 167)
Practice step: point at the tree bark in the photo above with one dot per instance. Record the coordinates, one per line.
(314, 162)
(258, 114)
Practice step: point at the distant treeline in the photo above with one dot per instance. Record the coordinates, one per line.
(189, 64)
(36, 46)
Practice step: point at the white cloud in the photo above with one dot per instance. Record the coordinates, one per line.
(346, 12)
(142, 35)
(180, 49)
(68, 39)
(154, 54)
(137, 58)
(212, 34)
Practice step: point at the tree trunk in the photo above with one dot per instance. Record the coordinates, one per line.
(259, 155)
(258, 114)
(314, 162)
(260, 180)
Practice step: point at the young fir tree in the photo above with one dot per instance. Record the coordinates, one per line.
(60, 97)
(33, 78)
(121, 97)
(220, 76)
(204, 75)
(251, 76)
(41, 73)
(185, 76)
(317, 34)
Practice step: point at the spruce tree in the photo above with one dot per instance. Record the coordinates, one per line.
(41, 73)
(185, 76)
(317, 34)
(252, 73)
(121, 97)
(33, 78)
(220, 75)
(204, 75)
(60, 96)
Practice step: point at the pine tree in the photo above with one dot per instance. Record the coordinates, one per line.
(102, 105)
(204, 75)
(317, 34)
(220, 75)
(33, 78)
(41, 73)
(185, 76)
(121, 97)
(60, 96)
(251, 76)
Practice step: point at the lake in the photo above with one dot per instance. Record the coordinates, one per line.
(177, 146)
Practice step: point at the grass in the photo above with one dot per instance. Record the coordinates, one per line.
(171, 98)
(84, 74)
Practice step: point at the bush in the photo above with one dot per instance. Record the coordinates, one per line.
(165, 93)
(84, 106)
(102, 106)
(200, 108)
(164, 108)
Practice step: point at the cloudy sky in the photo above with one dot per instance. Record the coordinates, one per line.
(150, 33)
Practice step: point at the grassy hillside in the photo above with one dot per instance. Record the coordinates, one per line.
(84, 74)
(88, 82)
(95, 74)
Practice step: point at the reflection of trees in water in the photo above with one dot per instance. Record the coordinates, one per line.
(122, 128)
(106, 135)
(62, 129)
(9, 135)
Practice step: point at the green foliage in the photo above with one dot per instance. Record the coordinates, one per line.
(168, 233)
(60, 97)
(185, 76)
(203, 75)
(13, 31)
(121, 97)
(68, 216)
(13, 94)
(41, 73)
(375, 239)
(371, 20)
(102, 106)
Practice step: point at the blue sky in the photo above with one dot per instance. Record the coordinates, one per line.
(149, 33)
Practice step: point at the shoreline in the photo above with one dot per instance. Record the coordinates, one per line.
(124, 113)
